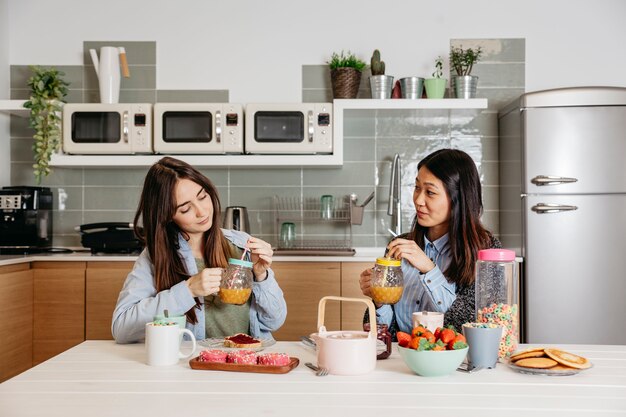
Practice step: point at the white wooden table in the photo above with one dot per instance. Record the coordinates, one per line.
(100, 378)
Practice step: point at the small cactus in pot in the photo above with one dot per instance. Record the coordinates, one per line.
(380, 83)
(377, 66)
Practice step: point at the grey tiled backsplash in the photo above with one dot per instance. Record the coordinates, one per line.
(371, 138)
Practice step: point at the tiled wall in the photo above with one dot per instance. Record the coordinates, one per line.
(371, 138)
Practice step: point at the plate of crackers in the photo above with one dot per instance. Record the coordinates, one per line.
(548, 361)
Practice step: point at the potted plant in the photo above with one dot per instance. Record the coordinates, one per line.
(436, 86)
(48, 90)
(462, 61)
(345, 74)
(380, 83)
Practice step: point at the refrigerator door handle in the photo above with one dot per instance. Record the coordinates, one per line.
(543, 208)
(540, 180)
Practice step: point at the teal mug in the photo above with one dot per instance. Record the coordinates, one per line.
(181, 321)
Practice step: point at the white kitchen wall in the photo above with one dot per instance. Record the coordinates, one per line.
(255, 49)
(5, 150)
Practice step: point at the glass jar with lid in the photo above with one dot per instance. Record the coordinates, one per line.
(236, 284)
(383, 345)
(387, 281)
(497, 295)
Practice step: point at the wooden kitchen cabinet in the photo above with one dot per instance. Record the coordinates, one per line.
(303, 284)
(104, 280)
(352, 313)
(16, 326)
(59, 308)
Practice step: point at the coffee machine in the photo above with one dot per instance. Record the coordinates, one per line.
(25, 219)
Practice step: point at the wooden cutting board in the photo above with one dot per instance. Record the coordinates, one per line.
(195, 363)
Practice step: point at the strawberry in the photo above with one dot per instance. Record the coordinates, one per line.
(437, 332)
(459, 345)
(429, 336)
(418, 331)
(403, 339)
(459, 338)
(424, 344)
(446, 335)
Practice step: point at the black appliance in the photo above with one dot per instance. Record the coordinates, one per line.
(109, 237)
(25, 219)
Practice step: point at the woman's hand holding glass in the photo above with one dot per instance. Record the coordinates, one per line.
(408, 249)
(261, 256)
(206, 282)
(365, 281)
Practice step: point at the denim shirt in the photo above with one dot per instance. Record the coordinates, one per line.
(139, 301)
(422, 292)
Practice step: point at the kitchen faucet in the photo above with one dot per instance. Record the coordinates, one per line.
(395, 197)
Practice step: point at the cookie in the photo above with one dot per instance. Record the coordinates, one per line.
(568, 359)
(537, 352)
(559, 367)
(539, 363)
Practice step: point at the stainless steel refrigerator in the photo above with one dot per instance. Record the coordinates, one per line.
(563, 209)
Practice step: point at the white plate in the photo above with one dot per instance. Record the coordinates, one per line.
(218, 343)
(548, 371)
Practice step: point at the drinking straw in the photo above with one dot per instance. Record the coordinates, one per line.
(244, 254)
(166, 313)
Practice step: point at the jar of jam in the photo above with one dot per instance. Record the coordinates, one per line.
(388, 281)
(236, 284)
(383, 345)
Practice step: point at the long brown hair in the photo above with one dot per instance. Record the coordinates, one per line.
(466, 234)
(157, 206)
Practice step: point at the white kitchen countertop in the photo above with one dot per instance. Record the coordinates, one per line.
(362, 255)
(100, 378)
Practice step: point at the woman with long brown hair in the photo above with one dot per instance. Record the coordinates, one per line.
(185, 253)
(439, 253)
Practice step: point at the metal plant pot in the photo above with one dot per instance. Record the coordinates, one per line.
(464, 86)
(381, 86)
(411, 87)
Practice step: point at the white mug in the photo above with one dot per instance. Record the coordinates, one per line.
(429, 319)
(163, 344)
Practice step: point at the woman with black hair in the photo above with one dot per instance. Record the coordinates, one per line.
(439, 253)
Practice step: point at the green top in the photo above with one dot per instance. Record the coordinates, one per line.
(224, 319)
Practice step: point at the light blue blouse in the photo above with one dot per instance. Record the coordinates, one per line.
(139, 301)
(422, 292)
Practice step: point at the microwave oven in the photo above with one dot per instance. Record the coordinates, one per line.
(296, 128)
(198, 128)
(97, 128)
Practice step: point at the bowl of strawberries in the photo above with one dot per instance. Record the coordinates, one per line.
(432, 354)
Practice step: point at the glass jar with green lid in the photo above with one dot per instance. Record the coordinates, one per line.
(387, 281)
(236, 284)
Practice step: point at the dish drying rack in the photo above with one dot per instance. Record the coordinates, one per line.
(305, 212)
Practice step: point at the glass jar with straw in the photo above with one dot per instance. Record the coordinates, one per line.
(236, 284)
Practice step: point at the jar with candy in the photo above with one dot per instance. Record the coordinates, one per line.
(497, 295)
(383, 346)
(387, 281)
(236, 284)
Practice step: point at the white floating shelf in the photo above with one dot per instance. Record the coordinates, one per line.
(14, 107)
(270, 161)
(409, 104)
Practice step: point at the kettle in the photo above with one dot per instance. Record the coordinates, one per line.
(346, 352)
(236, 218)
(108, 71)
